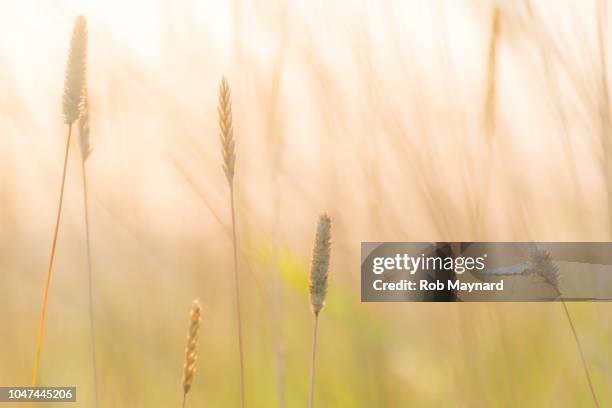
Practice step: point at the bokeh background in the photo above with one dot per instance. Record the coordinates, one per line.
(442, 120)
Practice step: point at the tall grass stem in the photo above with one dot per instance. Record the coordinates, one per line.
(90, 284)
(237, 289)
(314, 358)
(43, 313)
(229, 163)
(582, 359)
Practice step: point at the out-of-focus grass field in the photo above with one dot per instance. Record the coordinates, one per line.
(405, 120)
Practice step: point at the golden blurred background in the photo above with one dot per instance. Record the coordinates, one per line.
(405, 120)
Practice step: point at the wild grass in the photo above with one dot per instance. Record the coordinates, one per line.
(364, 118)
(191, 350)
(73, 96)
(541, 264)
(229, 161)
(319, 271)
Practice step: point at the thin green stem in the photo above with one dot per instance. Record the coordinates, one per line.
(314, 356)
(43, 313)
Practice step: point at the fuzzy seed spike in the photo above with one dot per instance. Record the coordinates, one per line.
(541, 264)
(75, 71)
(320, 264)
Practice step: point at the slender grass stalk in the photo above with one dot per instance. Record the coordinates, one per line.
(314, 358)
(191, 350)
(73, 92)
(582, 359)
(43, 314)
(85, 152)
(229, 161)
(541, 264)
(319, 271)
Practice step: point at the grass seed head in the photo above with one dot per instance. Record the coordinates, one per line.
(84, 127)
(319, 269)
(227, 130)
(541, 264)
(74, 80)
(191, 352)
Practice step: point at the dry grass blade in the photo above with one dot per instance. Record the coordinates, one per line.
(73, 92)
(191, 351)
(319, 272)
